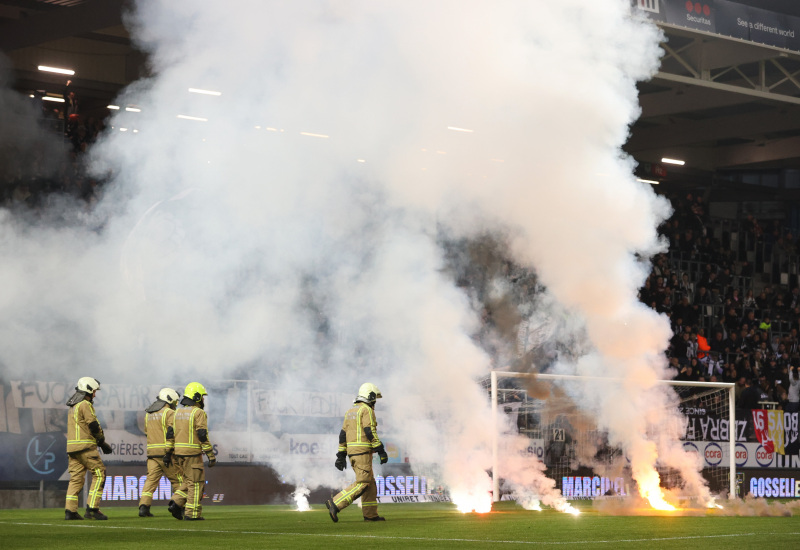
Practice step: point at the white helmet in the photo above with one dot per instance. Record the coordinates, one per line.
(168, 395)
(87, 384)
(368, 393)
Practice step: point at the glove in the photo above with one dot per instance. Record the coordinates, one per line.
(382, 454)
(340, 460)
(168, 459)
(212, 460)
(106, 447)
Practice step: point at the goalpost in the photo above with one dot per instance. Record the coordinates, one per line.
(716, 399)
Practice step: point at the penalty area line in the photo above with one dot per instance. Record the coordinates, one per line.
(94, 525)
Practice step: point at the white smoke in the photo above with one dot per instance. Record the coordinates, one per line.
(308, 192)
(29, 143)
(300, 496)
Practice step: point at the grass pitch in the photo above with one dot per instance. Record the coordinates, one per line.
(433, 525)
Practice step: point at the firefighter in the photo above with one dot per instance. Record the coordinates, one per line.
(358, 439)
(158, 427)
(84, 435)
(191, 441)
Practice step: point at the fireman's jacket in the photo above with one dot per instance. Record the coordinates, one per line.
(191, 432)
(359, 433)
(83, 429)
(158, 427)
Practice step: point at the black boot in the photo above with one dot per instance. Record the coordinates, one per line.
(144, 511)
(94, 513)
(72, 515)
(175, 510)
(376, 518)
(332, 510)
(190, 518)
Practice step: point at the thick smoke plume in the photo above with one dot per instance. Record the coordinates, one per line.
(29, 149)
(286, 226)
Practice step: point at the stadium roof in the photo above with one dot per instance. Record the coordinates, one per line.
(719, 103)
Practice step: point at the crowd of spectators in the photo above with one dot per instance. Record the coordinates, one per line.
(730, 324)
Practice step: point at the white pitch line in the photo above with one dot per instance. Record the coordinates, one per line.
(95, 525)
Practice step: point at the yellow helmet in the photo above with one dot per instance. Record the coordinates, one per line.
(195, 391)
(368, 393)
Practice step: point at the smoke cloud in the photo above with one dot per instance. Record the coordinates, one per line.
(286, 226)
(28, 149)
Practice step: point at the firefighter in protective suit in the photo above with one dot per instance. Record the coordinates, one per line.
(191, 441)
(358, 440)
(84, 436)
(158, 427)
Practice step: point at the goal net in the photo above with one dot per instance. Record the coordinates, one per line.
(576, 452)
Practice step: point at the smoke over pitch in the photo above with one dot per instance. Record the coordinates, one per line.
(287, 223)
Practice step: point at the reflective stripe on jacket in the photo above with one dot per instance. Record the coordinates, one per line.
(155, 428)
(188, 420)
(79, 436)
(357, 418)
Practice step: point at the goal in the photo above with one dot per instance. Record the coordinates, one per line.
(574, 450)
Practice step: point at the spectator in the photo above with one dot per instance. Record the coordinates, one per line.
(766, 391)
(682, 347)
(750, 396)
(712, 365)
(686, 286)
(732, 344)
(746, 370)
(752, 227)
(730, 374)
(724, 278)
(70, 99)
(684, 310)
(688, 373)
(741, 384)
(749, 319)
(717, 343)
(763, 303)
(702, 344)
(706, 276)
(704, 297)
(781, 397)
(749, 301)
(793, 393)
(757, 363)
(673, 368)
(792, 299)
(735, 298)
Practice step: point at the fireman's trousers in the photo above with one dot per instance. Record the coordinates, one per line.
(155, 469)
(364, 487)
(190, 493)
(79, 463)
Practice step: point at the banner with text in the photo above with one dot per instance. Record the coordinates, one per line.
(727, 19)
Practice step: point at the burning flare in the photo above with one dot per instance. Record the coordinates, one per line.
(467, 502)
(300, 497)
(650, 489)
(568, 509)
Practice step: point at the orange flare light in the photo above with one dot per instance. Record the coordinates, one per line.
(650, 489)
(658, 502)
(466, 503)
(656, 498)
